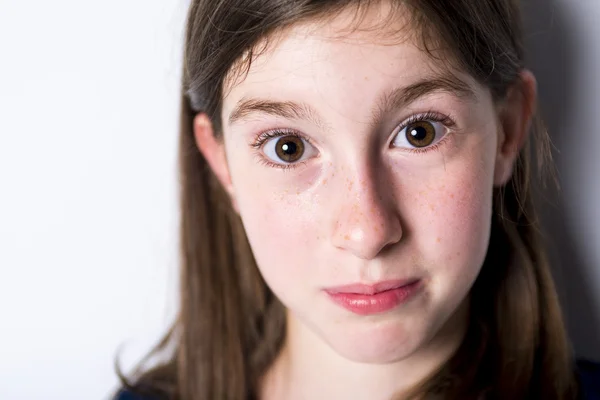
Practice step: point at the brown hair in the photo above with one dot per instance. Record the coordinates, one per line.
(230, 326)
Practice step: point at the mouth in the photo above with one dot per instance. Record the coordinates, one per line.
(371, 289)
(367, 299)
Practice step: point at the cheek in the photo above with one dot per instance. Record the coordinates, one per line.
(278, 227)
(453, 225)
(278, 218)
(463, 218)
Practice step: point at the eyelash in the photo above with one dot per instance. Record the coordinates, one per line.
(263, 137)
(445, 120)
(275, 133)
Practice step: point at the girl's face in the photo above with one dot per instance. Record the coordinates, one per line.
(363, 171)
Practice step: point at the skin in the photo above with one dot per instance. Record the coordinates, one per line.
(361, 206)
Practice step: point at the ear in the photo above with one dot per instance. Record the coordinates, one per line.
(213, 151)
(515, 115)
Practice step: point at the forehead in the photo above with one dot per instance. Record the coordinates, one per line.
(341, 56)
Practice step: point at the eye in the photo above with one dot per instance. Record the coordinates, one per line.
(419, 134)
(288, 149)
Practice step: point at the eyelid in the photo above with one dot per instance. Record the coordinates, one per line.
(444, 119)
(265, 137)
(426, 116)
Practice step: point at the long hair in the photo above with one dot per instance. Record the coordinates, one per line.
(230, 326)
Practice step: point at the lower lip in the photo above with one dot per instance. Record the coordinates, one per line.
(367, 304)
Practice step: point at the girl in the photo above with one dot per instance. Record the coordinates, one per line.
(356, 218)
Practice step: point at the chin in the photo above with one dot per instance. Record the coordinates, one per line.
(394, 340)
(376, 342)
(376, 355)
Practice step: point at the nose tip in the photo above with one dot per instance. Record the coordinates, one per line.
(367, 226)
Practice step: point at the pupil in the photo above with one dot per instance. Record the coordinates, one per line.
(419, 133)
(289, 148)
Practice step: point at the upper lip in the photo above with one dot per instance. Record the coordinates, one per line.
(371, 288)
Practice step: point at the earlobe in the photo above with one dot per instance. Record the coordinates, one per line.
(213, 151)
(515, 116)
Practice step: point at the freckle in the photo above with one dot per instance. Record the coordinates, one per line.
(324, 181)
(451, 195)
(438, 240)
(346, 237)
(431, 207)
(297, 191)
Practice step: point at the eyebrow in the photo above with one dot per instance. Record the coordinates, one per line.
(285, 109)
(401, 97)
(389, 101)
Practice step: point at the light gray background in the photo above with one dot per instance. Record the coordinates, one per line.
(88, 116)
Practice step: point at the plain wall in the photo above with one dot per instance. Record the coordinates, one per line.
(88, 191)
(88, 195)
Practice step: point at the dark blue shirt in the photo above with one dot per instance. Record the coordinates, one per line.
(589, 375)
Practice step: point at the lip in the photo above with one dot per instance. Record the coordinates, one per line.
(367, 299)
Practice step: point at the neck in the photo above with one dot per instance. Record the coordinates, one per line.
(307, 368)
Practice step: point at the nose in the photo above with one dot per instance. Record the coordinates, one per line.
(366, 221)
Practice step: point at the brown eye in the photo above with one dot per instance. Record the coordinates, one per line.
(289, 149)
(285, 149)
(420, 133)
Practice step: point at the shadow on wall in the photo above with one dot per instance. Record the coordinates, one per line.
(551, 49)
